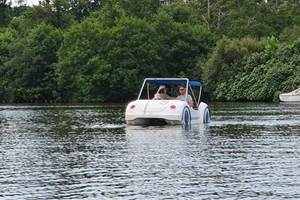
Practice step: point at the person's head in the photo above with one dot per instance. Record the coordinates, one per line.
(182, 90)
(162, 89)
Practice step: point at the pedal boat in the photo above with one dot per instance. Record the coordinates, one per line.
(147, 111)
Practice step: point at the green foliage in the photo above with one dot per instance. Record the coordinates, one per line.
(140, 8)
(5, 13)
(82, 8)
(98, 63)
(109, 16)
(271, 45)
(227, 61)
(290, 34)
(7, 37)
(101, 50)
(266, 76)
(182, 46)
(29, 70)
(56, 13)
(180, 12)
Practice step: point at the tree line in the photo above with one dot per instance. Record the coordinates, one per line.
(101, 50)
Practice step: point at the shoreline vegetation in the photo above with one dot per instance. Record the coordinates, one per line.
(101, 50)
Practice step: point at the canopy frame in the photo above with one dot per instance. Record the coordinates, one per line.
(173, 81)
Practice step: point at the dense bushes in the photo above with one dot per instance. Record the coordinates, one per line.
(99, 62)
(27, 72)
(227, 61)
(265, 75)
(91, 51)
(103, 63)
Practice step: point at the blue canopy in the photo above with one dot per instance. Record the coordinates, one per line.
(175, 82)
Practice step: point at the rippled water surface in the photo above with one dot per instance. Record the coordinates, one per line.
(248, 151)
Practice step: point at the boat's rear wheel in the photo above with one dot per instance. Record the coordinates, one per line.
(206, 117)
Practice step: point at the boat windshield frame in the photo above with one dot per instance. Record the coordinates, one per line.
(185, 81)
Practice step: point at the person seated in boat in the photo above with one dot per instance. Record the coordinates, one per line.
(182, 92)
(162, 93)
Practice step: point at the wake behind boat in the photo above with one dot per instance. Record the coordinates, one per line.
(293, 96)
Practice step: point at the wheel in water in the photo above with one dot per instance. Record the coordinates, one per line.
(206, 116)
(186, 117)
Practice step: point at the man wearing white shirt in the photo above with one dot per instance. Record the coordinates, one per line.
(182, 92)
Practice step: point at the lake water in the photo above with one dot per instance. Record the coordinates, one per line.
(248, 151)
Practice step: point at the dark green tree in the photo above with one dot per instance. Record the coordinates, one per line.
(82, 8)
(182, 46)
(141, 8)
(100, 64)
(54, 12)
(30, 69)
(5, 13)
(227, 61)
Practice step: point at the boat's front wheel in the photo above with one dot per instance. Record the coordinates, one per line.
(186, 117)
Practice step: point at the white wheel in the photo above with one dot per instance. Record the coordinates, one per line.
(186, 116)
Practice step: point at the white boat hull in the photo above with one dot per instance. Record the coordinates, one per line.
(293, 96)
(171, 112)
(289, 98)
